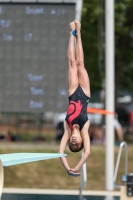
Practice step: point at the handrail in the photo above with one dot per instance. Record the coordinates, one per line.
(118, 162)
(83, 179)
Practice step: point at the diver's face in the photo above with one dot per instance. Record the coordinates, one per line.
(76, 138)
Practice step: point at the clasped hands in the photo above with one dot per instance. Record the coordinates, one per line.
(73, 172)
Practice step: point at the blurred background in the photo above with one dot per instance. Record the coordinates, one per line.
(33, 70)
(33, 65)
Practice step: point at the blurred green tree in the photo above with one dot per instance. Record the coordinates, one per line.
(93, 32)
(89, 35)
(123, 46)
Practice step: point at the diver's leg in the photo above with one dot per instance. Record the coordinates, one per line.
(72, 71)
(82, 73)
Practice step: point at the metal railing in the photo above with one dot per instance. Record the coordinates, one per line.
(123, 144)
(83, 180)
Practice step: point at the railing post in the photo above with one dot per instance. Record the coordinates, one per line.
(127, 190)
(118, 162)
(83, 179)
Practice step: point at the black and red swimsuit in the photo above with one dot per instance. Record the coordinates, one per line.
(77, 109)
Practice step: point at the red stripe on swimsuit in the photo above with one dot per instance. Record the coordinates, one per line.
(77, 109)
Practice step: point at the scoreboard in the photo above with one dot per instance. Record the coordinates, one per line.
(33, 56)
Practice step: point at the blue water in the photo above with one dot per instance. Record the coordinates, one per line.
(49, 197)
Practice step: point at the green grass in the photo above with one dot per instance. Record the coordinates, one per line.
(31, 135)
(50, 174)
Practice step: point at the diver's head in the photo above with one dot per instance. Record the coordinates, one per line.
(75, 141)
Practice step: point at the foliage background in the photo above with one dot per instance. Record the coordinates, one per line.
(93, 37)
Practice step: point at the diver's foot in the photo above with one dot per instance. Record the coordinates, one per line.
(77, 25)
(72, 29)
(72, 26)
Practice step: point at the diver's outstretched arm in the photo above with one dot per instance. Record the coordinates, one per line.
(62, 148)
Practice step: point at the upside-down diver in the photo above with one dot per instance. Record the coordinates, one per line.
(76, 123)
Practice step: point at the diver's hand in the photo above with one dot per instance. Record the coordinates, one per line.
(73, 172)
